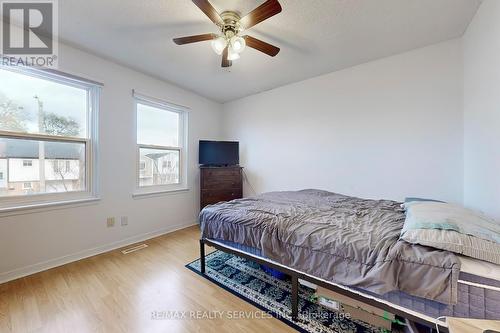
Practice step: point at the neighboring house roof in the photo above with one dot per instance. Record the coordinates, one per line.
(155, 156)
(11, 148)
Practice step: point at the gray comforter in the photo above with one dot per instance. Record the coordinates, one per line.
(346, 240)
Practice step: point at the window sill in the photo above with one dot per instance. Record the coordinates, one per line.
(143, 195)
(31, 208)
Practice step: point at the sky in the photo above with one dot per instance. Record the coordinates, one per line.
(157, 126)
(60, 99)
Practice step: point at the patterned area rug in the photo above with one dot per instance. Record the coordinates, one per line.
(248, 281)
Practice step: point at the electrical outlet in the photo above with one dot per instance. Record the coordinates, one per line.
(110, 222)
(124, 221)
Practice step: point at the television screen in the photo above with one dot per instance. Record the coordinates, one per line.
(219, 153)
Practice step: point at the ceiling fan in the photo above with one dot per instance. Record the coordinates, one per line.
(230, 42)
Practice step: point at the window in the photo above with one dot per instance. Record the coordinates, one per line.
(161, 145)
(1, 175)
(61, 166)
(48, 124)
(55, 165)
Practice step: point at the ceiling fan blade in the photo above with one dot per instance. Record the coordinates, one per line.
(261, 46)
(261, 13)
(225, 61)
(194, 39)
(209, 10)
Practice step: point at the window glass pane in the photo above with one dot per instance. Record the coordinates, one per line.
(61, 164)
(157, 126)
(34, 105)
(158, 167)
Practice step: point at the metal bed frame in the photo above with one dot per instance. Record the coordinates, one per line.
(295, 275)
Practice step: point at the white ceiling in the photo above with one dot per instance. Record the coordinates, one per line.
(315, 36)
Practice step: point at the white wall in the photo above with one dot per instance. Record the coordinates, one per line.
(482, 110)
(386, 129)
(38, 240)
(20, 173)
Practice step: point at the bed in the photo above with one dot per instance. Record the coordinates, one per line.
(353, 245)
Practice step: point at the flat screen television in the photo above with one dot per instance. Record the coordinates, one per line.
(219, 153)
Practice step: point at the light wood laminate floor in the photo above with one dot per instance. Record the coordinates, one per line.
(113, 292)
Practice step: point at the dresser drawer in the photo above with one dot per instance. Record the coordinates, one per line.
(222, 172)
(222, 178)
(221, 184)
(213, 196)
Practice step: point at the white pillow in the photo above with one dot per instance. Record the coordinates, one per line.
(452, 228)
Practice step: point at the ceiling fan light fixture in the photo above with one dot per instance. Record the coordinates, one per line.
(238, 44)
(219, 44)
(229, 41)
(232, 55)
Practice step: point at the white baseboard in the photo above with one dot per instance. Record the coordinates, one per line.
(52, 263)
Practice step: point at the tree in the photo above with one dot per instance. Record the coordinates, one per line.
(59, 125)
(12, 116)
(54, 124)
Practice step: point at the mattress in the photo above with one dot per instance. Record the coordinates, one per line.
(337, 238)
(478, 267)
(478, 290)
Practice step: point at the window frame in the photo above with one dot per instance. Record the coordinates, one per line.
(183, 113)
(91, 142)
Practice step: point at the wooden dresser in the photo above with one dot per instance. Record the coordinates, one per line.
(220, 184)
